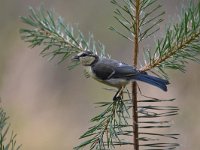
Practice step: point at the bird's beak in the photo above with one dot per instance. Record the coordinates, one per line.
(75, 58)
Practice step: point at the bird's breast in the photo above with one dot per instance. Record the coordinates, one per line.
(116, 82)
(88, 69)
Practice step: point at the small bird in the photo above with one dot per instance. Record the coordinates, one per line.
(115, 73)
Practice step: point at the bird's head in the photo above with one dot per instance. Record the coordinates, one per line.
(87, 58)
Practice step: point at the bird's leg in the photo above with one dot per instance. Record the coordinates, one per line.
(119, 94)
(116, 97)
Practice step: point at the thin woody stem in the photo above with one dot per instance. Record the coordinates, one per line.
(134, 84)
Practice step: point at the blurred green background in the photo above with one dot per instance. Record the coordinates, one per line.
(49, 106)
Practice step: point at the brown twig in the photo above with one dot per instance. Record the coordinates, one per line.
(134, 84)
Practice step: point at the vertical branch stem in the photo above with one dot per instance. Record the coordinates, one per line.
(134, 84)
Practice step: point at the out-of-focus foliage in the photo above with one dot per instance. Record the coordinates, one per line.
(7, 139)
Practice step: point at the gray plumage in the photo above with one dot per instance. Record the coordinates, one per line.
(116, 73)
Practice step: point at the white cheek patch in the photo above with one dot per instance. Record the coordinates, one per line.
(87, 60)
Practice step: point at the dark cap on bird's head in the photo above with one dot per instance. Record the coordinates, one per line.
(83, 54)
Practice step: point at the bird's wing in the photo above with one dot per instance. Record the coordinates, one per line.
(103, 71)
(124, 71)
(109, 68)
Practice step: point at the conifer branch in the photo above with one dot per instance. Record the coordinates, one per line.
(139, 19)
(180, 44)
(146, 15)
(173, 51)
(57, 38)
(109, 126)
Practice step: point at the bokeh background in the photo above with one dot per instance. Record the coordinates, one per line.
(49, 106)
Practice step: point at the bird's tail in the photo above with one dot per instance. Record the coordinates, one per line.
(155, 81)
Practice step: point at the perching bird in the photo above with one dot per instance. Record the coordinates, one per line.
(115, 73)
